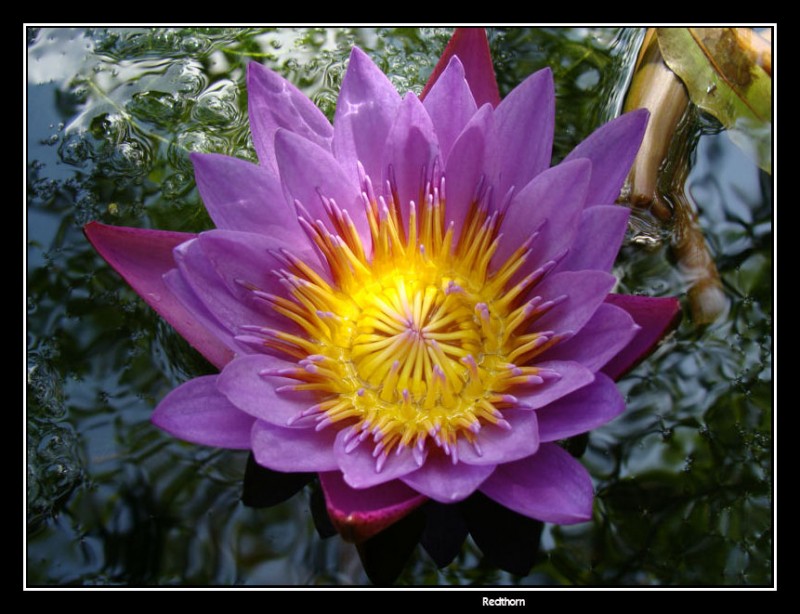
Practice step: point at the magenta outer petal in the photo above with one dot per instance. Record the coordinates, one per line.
(656, 316)
(552, 204)
(359, 514)
(582, 411)
(464, 167)
(601, 230)
(498, 445)
(242, 196)
(585, 292)
(241, 382)
(612, 148)
(359, 469)
(573, 376)
(411, 149)
(550, 486)
(445, 482)
(293, 450)
(142, 257)
(309, 172)
(472, 48)
(608, 331)
(275, 103)
(197, 412)
(365, 112)
(450, 105)
(522, 140)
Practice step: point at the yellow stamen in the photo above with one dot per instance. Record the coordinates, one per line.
(415, 342)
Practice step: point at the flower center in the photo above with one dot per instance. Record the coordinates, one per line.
(419, 341)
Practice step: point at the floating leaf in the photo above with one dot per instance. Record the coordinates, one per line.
(723, 80)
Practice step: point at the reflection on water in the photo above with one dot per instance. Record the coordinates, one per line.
(683, 477)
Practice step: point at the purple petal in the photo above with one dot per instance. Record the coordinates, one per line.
(550, 486)
(599, 236)
(142, 257)
(275, 103)
(365, 111)
(585, 291)
(293, 450)
(200, 275)
(464, 167)
(611, 148)
(445, 482)
(571, 377)
(608, 331)
(498, 445)
(245, 262)
(450, 105)
(522, 140)
(360, 514)
(656, 316)
(582, 411)
(197, 412)
(551, 204)
(201, 316)
(309, 173)
(242, 196)
(472, 48)
(411, 149)
(359, 466)
(244, 386)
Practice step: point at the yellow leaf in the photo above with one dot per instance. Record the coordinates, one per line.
(723, 79)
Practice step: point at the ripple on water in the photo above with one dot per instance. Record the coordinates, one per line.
(193, 141)
(75, 149)
(218, 106)
(54, 467)
(159, 108)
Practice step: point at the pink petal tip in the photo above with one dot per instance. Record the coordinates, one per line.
(472, 48)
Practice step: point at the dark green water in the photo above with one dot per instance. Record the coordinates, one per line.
(684, 477)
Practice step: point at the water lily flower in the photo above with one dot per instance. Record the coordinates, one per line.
(410, 302)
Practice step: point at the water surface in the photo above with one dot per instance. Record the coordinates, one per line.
(684, 477)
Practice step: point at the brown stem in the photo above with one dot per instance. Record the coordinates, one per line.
(654, 87)
(706, 299)
(658, 175)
